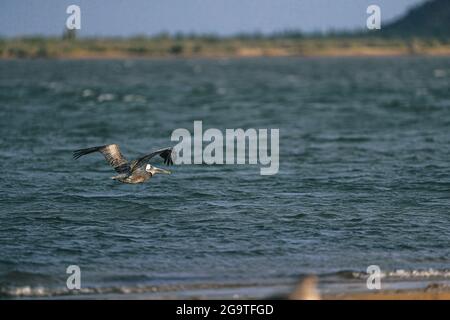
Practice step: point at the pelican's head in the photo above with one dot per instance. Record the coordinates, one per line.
(154, 170)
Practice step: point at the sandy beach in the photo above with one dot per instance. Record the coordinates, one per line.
(425, 294)
(307, 289)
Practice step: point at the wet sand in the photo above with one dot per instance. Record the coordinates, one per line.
(393, 295)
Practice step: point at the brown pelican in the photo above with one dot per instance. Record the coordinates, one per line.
(129, 172)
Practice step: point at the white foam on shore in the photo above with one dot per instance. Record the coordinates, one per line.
(408, 274)
(211, 289)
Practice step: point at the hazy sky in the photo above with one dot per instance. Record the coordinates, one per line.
(122, 17)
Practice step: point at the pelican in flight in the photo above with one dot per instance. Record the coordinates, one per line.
(129, 172)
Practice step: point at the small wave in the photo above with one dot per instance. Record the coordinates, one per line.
(87, 93)
(408, 274)
(105, 97)
(440, 73)
(40, 291)
(134, 98)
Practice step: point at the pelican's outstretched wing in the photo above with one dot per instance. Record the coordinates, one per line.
(112, 155)
(166, 154)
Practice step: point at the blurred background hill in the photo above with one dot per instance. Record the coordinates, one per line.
(431, 19)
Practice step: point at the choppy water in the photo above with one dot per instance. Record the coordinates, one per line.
(364, 174)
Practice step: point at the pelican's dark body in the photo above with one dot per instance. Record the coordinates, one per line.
(136, 177)
(129, 172)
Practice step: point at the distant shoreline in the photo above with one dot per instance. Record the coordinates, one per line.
(203, 47)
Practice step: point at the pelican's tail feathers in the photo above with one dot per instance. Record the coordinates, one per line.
(82, 152)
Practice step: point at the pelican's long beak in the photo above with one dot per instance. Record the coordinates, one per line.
(159, 170)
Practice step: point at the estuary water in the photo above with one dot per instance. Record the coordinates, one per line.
(364, 176)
